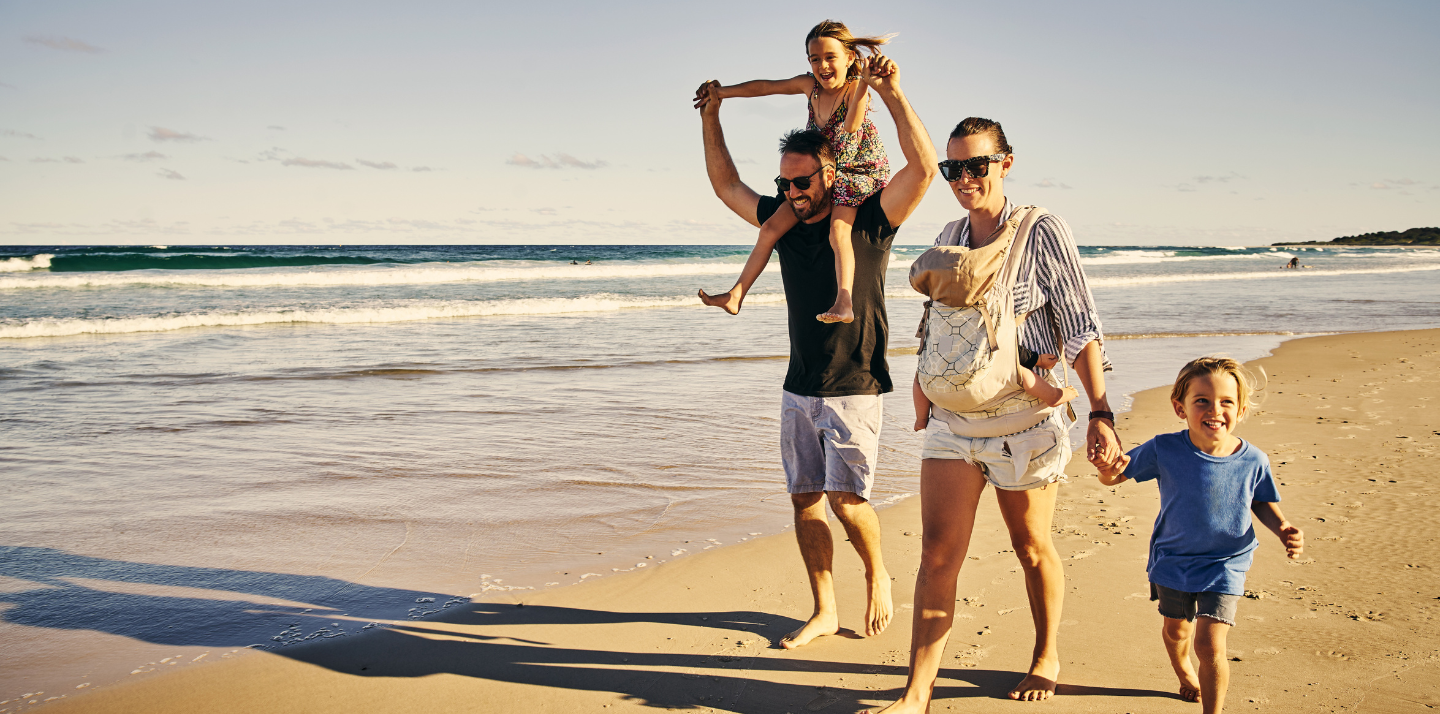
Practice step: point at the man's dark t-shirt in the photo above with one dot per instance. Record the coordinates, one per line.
(835, 359)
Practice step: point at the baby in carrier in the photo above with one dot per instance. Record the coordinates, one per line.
(958, 280)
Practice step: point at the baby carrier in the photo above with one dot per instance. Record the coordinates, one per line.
(969, 362)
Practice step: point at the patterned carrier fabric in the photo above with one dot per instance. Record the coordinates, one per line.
(957, 349)
(860, 162)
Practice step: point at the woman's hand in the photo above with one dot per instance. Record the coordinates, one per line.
(1102, 445)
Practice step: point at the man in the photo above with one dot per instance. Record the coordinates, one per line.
(831, 404)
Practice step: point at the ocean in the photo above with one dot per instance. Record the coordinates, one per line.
(208, 448)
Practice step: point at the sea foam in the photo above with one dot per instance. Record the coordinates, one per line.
(21, 265)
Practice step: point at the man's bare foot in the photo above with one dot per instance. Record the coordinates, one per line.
(878, 607)
(729, 302)
(1039, 684)
(819, 625)
(1189, 685)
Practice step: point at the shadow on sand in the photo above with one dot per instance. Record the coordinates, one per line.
(211, 607)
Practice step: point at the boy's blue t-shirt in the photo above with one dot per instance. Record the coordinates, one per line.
(1203, 539)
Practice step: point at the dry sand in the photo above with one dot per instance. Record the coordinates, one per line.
(1349, 425)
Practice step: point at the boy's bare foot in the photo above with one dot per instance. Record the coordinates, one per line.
(1063, 395)
(1039, 684)
(819, 625)
(879, 608)
(729, 301)
(1189, 684)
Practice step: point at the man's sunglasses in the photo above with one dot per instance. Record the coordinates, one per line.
(978, 167)
(801, 182)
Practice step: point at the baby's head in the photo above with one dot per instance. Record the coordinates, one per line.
(832, 50)
(1212, 394)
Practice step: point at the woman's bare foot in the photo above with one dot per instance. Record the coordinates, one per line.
(905, 707)
(1039, 684)
(841, 311)
(728, 301)
(819, 625)
(879, 608)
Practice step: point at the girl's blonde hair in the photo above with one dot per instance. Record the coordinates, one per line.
(837, 30)
(1214, 364)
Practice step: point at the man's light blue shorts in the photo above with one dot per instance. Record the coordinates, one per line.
(830, 443)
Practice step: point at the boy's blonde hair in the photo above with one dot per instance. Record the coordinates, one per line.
(836, 30)
(1214, 364)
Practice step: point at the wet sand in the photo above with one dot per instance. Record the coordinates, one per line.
(1347, 420)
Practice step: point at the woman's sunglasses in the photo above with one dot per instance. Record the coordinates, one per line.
(801, 182)
(978, 167)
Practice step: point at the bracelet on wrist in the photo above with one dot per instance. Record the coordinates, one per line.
(1096, 414)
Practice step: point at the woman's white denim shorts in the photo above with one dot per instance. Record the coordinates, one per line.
(1018, 462)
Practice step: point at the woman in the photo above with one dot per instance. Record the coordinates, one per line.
(955, 469)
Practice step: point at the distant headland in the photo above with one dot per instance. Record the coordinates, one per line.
(1414, 236)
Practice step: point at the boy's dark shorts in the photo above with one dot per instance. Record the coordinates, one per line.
(1180, 605)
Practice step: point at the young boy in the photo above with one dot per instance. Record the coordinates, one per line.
(1203, 540)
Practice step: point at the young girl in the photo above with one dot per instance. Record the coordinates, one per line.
(1203, 542)
(838, 102)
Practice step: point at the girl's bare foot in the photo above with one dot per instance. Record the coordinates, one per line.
(841, 311)
(819, 625)
(729, 301)
(1189, 684)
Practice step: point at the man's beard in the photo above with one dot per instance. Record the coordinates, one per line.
(815, 208)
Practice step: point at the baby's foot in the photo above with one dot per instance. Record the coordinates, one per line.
(841, 311)
(1046, 361)
(1064, 396)
(729, 302)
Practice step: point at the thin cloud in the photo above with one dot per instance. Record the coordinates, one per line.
(746, 161)
(1185, 187)
(63, 159)
(1051, 183)
(385, 165)
(422, 168)
(8, 86)
(275, 127)
(147, 156)
(1385, 184)
(559, 162)
(545, 211)
(316, 164)
(160, 133)
(20, 134)
(168, 174)
(1381, 185)
(1218, 179)
(63, 43)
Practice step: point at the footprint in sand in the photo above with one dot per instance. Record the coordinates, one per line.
(825, 699)
(1267, 651)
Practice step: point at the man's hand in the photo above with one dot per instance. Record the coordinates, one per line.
(1293, 538)
(708, 93)
(1102, 446)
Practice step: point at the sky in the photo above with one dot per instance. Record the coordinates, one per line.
(438, 121)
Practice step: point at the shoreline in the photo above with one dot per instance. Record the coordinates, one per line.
(694, 633)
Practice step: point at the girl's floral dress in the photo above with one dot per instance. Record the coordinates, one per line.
(860, 162)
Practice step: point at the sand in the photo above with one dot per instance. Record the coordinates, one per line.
(1347, 420)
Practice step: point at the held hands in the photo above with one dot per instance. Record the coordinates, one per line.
(1293, 538)
(1113, 474)
(878, 71)
(708, 93)
(1102, 446)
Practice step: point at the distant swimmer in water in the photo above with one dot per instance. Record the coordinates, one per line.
(588, 263)
(573, 262)
(1293, 264)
